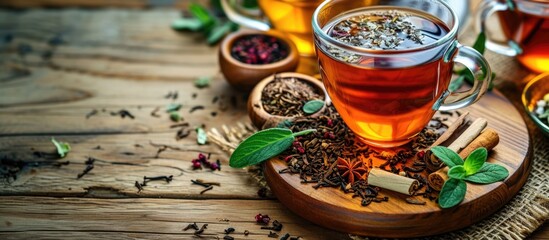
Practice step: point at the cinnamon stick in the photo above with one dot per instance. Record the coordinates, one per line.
(488, 139)
(394, 182)
(431, 161)
(434, 164)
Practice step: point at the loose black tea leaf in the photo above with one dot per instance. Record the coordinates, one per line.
(92, 113)
(313, 106)
(198, 107)
(286, 96)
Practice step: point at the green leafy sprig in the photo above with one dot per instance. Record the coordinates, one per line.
(213, 28)
(263, 145)
(464, 74)
(313, 106)
(474, 169)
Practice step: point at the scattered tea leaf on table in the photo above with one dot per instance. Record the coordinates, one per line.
(173, 107)
(313, 106)
(449, 157)
(475, 160)
(263, 145)
(488, 173)
(201, 136)
(480, 43)
(452, 193)
(202, 82)
(189, 24)
(457, 172)
(175, 116)
(63, 148)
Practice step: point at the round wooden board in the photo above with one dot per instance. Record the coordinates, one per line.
(334, 209)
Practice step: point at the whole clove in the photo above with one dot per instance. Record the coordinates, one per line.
(138, 186)
(285, 237)
(123, 113)
(207, 189)
(228, 238)
(198, 107)
(86, 171)
(168, 179)
(277, 226)
(272, 234)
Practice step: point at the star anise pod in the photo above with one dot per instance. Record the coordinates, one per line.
(353, 170)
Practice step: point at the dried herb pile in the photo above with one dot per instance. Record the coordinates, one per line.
(286, 96)
(331, 157)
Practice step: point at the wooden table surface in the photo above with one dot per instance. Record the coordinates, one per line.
(113, 59)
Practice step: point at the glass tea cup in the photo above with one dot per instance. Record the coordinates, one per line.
(292, 17)
(387, 96)
(525, 25)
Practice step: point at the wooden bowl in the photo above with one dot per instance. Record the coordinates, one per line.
(262, 119)
(245, 76)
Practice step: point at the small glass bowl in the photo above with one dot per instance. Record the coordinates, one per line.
(534, 91)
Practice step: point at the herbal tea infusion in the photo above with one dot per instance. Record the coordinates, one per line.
(386, 68)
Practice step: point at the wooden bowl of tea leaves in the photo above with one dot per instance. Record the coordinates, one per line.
(283, 98)
(247, 56)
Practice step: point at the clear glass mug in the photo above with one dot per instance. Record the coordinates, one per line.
(292, 17)
(525, 25)
(386, 97)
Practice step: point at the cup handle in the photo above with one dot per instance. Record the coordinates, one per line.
(486, 10)
(236, 17)
(474, 62)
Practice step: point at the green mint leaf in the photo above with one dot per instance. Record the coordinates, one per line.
(475, 160)
(63, 148)
(202, 82)
(219, 31)
(452, 193)
(285, 124)
(201, 14)
(201, 136)
(456, 84)
(480, 43)
(187, 24)
(175, 116)
(173, 107)
(457, 172)
(449, 157)
(313, 106)
(261, 146)
(488, 173)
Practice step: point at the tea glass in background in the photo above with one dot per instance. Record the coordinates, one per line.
(292, 17)
(525, 25)
(386, 97)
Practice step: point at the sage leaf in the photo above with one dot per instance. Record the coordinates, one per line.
(263, 145)
(452, 193)
(201, 136)
(201, 14)
(202, 82)
(63, 148)
(175, 116)
(449, 157)
(173, 107)
(190, 24)
(313, 106)
(488, 173)
(475, 160)
(219, 31)
(480, 43)
(457, 172)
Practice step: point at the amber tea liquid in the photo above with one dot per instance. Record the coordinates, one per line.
(531, 32)
(391, 99)
(294, 18)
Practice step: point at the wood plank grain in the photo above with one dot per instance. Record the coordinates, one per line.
(83, 218)
(121, 160)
